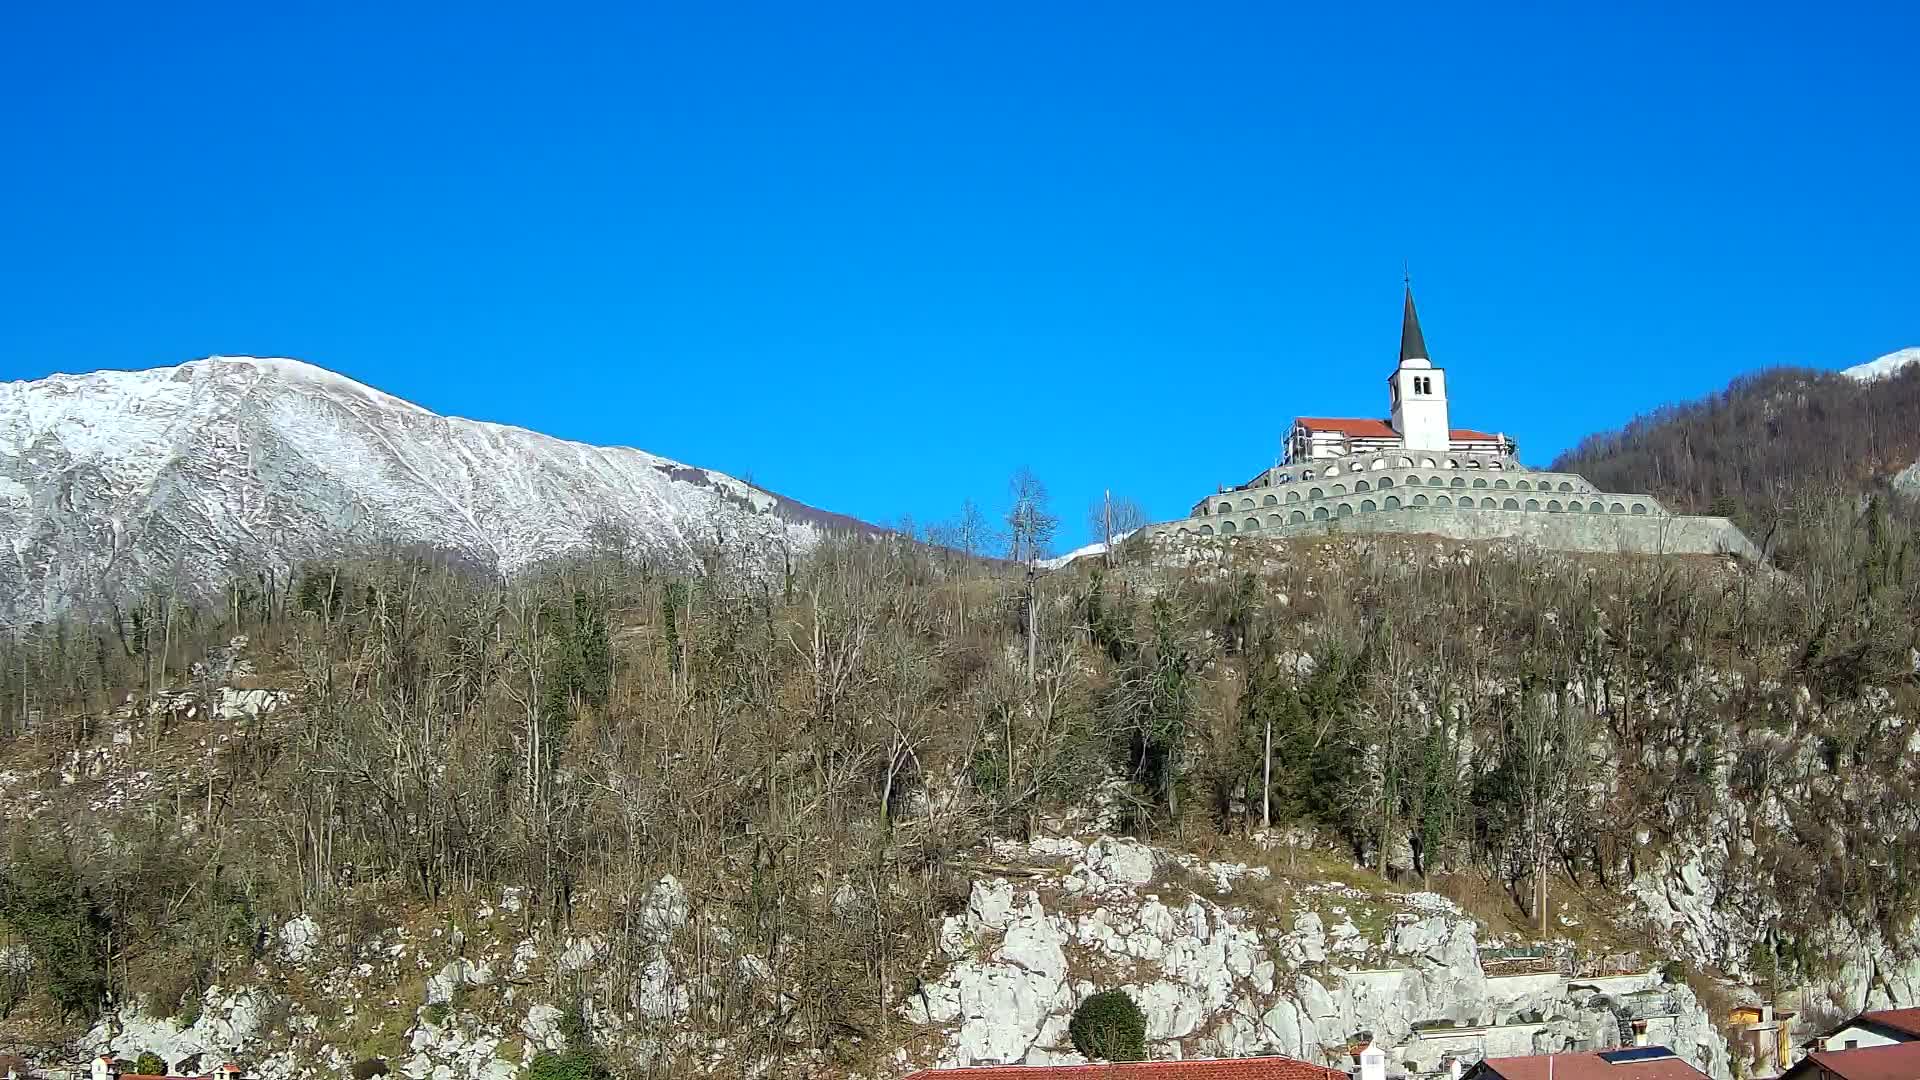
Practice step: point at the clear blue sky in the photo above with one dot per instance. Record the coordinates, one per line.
(876, 257)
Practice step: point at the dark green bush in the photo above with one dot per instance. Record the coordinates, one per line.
(573, 1065)
(1109, 1027)
(149, 1064)
(369, 1068)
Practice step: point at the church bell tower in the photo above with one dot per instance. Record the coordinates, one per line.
(1419, 390)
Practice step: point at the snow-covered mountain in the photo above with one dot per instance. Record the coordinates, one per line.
(1883, 367)
(120, 480)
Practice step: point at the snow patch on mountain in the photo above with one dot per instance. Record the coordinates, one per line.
(115, 482)
(1883, 367)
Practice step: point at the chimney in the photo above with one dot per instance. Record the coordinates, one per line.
(1373, 1062)
(229, 1071)
(1766, 1014)
(1454, 1068)
(105, 1069)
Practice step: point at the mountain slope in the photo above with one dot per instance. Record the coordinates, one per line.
(1775, 439)
(115, 481)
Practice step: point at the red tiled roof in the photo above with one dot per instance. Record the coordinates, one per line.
(1895, 1061)
(1588, 1067)
(1363, 428)
(1253, 1068)
(1906, 1021)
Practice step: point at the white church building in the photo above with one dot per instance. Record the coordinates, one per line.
(1413, 472)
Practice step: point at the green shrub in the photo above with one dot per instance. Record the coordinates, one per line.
(573, 1065)
(149, 1064)
(1109, 1027)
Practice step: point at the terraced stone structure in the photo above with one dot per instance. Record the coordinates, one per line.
(1415, 473)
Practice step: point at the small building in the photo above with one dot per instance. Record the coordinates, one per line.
(1632, 1063)
(1249, 1068)
(1883, 1027)
(1763, 1035)
(1885, 1061)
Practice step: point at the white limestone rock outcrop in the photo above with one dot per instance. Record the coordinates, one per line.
(1217, 979)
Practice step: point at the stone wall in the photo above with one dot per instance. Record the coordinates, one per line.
(1675, 535)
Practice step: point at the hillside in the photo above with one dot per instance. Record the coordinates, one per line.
(1772, 449)
(117, 484)
(713, 823)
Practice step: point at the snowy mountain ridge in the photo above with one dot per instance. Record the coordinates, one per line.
(1884, 366)
(114, 482)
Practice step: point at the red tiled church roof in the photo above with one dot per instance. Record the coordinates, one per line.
(1362, 428)
(1253, 1068)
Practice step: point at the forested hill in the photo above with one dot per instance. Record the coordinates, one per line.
(1775, 441)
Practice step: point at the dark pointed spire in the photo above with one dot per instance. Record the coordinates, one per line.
(1412, 344)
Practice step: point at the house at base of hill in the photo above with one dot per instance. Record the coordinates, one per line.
(1883, 1027)
(1883, 1061)
(1250, 1068)
(1630, 1063)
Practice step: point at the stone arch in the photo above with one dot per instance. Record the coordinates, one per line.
(1599, 508)
(1495, 463)
(1459, 481)
(1273, 521)
(1283, 478)
(1391, 502)
(1386, 482)
(1442, 500)
(1473, 463)
(1367, 507)
(1362, 485)
(1479, 481)
(1319, 513)
(1206, 530)
(1224, 508)
(1421, 500)
(1453, 463)
(1246, 503)
(1186, 532)
(1293, 496)
(1564, 486)
(1252, 524)
(1306, 474)
(1403, 462)
(1226, 528)
(1639, 508)
(1269, 500)
(1522, 485)
(1618, 508)
(1501, 483)
(1510, 504)
(1331, 470)
(1487, 504)
(1553, 506)
(1533, 504)
(1296, 517)
(1316, 493)
(1379, 463)
(1339, 489)
(1436, 481)
(1346, 510)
